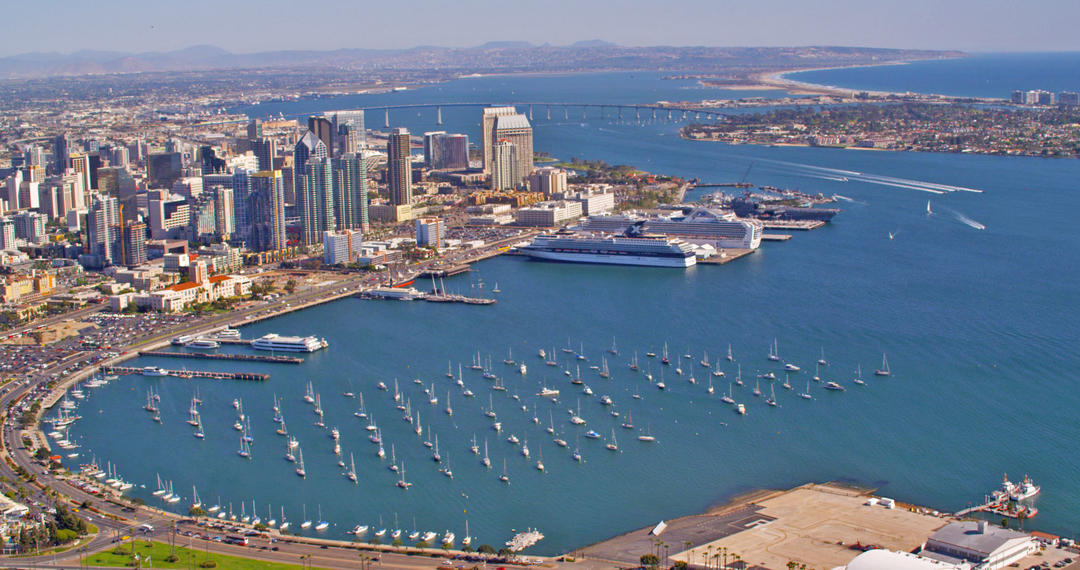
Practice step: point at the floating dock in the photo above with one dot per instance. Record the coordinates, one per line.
(793, 225)
(775, 237)
(279, 359)
(124, 370)
(246, 341)
(726, 256)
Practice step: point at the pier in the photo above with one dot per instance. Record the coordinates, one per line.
(726, 256)
(279, 359)
(245, 341)
(793, 225)
(775, 237)
(125, 370)
(448, 271)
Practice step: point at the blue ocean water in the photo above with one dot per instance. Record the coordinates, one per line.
(978, 75)
(978, 325)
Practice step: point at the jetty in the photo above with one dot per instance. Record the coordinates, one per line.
(279, 359)
(254, 376)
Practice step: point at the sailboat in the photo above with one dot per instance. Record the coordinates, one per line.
(628, 423)
(822, 360)
(647, 437)
(284, 523)
(884, 370)
(393, 459)
(496, 289)
(928, 210)
(738, 376)
(435, 456)
(774, 351)
(705, 360)
(664, 358)
(806, 395)
(195, 502)
(603, 368)
(540, 458)
(787, 382)
(727, 399)
(244, 450)
(613, 350)
(613, 445)
(757, 388)
(771, 400)
(730, 356)
(466, 540)
(198, 428)
(300, 465)
(486, 461)
(321, 525)
(401, 482)
(505, 477)
(817, 372)
(858, 376)
(351, 474)
(449, 409)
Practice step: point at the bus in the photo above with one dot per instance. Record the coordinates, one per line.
(238, 540)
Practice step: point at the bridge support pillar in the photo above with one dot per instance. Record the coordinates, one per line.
(620, 114)
(549, 112)
(530, 114)
(584, 112)
(566, 111)
(438, 115)
(637, 114)
(386, 119)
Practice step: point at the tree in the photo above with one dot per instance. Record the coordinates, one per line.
(486, 549)
(290, 286)
(680, 565)
(1004, 522)
(397, 542)
(196, 512)
(422, 544)
(649, 560)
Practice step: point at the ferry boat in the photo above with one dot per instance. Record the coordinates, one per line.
(150, 371)
(203, 343)
(275, 341)
(632, 248)
(228, 333)
(183, 340)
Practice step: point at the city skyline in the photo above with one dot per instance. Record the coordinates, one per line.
(1001, 26)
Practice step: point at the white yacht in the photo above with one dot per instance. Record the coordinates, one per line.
(275, 341)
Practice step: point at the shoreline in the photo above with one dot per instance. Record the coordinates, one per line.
(779, 80)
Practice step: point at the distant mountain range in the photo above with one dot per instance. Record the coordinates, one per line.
(501, 56)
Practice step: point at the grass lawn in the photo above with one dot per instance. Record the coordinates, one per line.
(160, 550)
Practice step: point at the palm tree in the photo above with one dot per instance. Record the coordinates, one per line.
(689, 552)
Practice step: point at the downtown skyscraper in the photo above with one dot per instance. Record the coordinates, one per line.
(399, 167)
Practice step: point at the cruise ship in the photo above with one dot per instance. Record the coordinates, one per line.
(275, 341)
(632, 248)
(701, 226)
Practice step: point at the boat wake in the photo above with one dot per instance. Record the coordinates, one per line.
(963, 219)
(840, 175)
(852, 200)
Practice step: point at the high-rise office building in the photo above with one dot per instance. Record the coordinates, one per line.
(80, 163)
(315, 200)
(548, 180)
(241, 191)
(7, 233)
(202, 221)
(60, 149)
(169, 216)
(430, 231)
(266, 205)
(516, 129)
(163, 169)
(224, 213)
(102, 222)
(399, 166)
(430, 150)
(487, 131)
(117, 181)
(132, 243)
(324, 131)
(504, 165)
(265, 150)
(254, 129)
(452, 152)
(30, 226)
(350, 192)
(350, 134)
(309, 146)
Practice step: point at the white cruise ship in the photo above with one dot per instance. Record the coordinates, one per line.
(630, 249)
(701, 226)
(275, 341)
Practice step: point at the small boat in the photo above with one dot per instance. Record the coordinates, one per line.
(789, 367)
(705, 360)
(505, 477)
(757, 388)
(831, 385)
(730, 356)
(740, 409)
(401, 482)
(612, 445)
(771, 400)
(203, 344)
(727, 399)
(591, 434)
(806, 395)
(884, 370)
(613, 350)
(858, 376)
(822, 360)
(774, 351)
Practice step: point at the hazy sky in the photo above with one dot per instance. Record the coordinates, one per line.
(260, 25)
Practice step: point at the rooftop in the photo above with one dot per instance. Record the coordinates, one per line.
(515, 121)
(967, 535)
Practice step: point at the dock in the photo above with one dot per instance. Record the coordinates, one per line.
(279, 359)
(445, 271)
(125, 370)
(793, 225)
(726, 256)
(244, 341)
(451, 298)
(775, 237)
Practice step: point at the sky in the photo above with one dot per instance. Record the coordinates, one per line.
(244, 26)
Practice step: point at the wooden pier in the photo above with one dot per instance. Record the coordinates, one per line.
(124, 370)
(279, 359)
